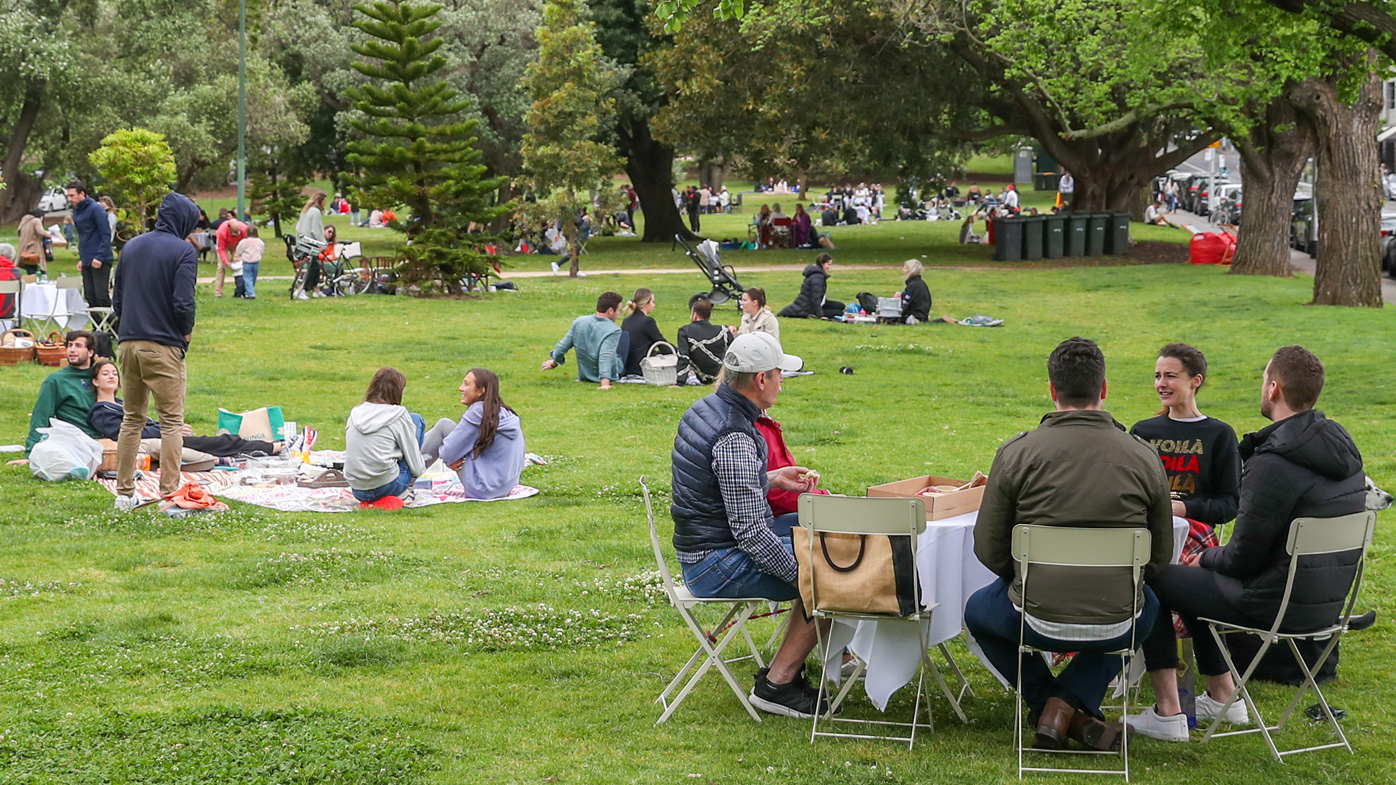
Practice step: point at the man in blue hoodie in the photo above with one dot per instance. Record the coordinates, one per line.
(94, 245)
(154, 303)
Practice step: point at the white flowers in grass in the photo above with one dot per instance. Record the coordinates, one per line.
(319, 565)
(516, 628)
(17, 588)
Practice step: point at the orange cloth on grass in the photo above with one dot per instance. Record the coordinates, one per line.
(192, 496)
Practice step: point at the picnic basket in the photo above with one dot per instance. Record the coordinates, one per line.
(53, 352)
(661, 370)
(11, 353)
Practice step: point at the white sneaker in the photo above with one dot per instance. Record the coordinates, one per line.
(126, 503)
(557, 269)
(1207, 708)
(581, 274)
(1149, 723)
(302, 296)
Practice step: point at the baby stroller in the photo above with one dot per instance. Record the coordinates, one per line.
(722, 277)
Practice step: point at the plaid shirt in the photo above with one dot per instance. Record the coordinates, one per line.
(741, 475)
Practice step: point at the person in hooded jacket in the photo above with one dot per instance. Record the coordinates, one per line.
(383, 441)
(486, 448)
(916, 296)
(1302, 465)
(153, 301)
(812, 299)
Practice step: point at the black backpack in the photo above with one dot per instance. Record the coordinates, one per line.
(867, 301)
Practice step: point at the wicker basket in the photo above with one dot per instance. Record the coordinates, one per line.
(53, 352)
(663, 370)
(10, 355)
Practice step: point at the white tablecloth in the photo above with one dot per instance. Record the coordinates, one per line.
(38, 301)
(949, 573)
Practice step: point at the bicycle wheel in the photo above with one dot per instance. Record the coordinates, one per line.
(298, 283)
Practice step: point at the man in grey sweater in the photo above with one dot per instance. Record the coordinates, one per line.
(1078, 468)
(599, 343)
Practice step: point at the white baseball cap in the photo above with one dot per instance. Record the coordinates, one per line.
(757, 353)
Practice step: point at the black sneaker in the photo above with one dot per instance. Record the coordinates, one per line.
(796, 699)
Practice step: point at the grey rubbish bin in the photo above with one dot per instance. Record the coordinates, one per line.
(1054, 236)
(1032, 237)
(1008, 239)
(1076, 225)
(1117, 233)
(1095, 233)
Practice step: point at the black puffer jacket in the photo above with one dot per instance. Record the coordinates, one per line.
(916, 299)
(1303, 466)
(700, 517)
(812, 293)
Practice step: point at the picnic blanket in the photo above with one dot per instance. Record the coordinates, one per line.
(292, 498)
(148, 483)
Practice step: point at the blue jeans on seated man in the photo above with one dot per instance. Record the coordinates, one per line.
(732, 573)
(992, 619)
(404, 477)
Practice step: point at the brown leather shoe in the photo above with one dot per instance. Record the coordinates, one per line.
(1096, 734)
(1054, 725)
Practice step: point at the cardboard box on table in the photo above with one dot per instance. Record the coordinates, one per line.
(938, 505)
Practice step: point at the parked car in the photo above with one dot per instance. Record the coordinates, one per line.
(1228, 205)
(1187, 192)
(54, 200)
(1304, 224)
(1202, 203)
(1388, 244)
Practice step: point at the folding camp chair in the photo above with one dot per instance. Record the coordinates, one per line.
(710, 646)
(1086, 550)
(893, 517)
(1307, 537)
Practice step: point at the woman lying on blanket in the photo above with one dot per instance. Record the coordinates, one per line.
(486, 448)
(107, 413)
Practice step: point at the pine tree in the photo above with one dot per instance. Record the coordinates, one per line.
(275, 192)
(564, 156)
(415, 154)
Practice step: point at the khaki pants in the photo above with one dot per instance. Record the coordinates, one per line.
(150, 369)
(218, 279)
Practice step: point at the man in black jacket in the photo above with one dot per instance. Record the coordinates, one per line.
(1303, 465)
(154, 301)
(702, 344)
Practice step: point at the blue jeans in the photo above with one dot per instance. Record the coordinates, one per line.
(249, 278)
(992, 619)
(404, 476)
(730, 572)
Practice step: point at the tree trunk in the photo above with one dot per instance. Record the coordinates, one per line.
(650, 166)
(1347, 270)
(1272, 158)
(22, 191)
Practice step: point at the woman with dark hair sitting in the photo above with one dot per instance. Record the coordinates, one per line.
(813, 298)
(486, 448)
(107, 413)
(382, 441)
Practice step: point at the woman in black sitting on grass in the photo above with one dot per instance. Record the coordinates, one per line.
(107, 413)
(813, 298)
(639, 327)
(1200, 454)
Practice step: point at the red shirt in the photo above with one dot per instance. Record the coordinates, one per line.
(778, 457)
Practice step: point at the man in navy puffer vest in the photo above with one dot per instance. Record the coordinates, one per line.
(727, 540)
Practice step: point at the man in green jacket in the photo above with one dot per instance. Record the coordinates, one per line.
(1078, 468)
(67, 392)
(599, 342)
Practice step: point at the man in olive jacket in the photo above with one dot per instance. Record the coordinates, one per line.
(1078, 468)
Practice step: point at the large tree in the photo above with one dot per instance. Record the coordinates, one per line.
(568, 167)
(413, 154)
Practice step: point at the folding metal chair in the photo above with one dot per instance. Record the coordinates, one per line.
(48, 323)
(894, 517)
(13, 289)
(1084, 549)
(710, 646)
(1307, 537)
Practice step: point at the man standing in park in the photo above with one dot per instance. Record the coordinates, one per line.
(67, 392)
(597, 339)
(94, 245)
(724, 532)
(1078, 468)
(154, 301)
(229, 234)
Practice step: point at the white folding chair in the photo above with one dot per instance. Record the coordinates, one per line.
(44, 324)
(1083, 549)
(710, 646)
(1307, 537)
(13, 289)
(893, 517)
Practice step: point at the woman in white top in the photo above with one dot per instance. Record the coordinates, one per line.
(756, 317)
(312, 220)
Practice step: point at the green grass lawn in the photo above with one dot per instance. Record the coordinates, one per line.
(257, 646)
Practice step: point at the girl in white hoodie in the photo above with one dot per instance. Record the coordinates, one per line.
(382, 442)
